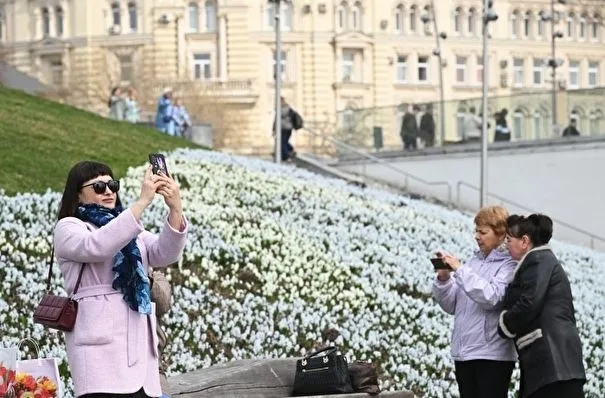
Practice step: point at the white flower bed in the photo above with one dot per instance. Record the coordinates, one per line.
(278, 255)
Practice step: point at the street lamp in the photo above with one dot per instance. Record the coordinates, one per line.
(426, 18)
(489, 15)
(553, 62)
(277, 73)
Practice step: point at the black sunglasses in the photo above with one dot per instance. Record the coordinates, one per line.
(101, 186)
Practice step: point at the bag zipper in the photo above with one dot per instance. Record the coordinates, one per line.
(315, 370)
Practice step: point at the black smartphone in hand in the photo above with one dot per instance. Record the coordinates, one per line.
(158, 164)
(439, 264)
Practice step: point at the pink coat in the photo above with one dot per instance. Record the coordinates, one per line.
(112, 348)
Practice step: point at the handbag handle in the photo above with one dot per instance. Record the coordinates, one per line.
(329, 349)
(50, 273)
(32, 343)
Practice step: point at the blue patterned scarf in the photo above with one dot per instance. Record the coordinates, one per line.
(130, 277)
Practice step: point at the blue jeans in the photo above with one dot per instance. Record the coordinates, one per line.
(286, 147)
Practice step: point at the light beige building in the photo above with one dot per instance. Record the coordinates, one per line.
(338, 56)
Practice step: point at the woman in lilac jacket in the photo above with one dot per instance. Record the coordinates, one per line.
(113, 349)
(473, 292)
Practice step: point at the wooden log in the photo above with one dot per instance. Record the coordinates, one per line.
(252, 378)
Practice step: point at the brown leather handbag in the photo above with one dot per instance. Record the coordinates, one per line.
(57, 312)
(364, 377)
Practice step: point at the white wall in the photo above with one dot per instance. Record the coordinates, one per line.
(566, 183)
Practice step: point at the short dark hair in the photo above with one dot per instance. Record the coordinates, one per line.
(538, 227)
(78, 175)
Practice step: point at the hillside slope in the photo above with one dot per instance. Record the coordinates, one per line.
(41, 139)
(279, 259)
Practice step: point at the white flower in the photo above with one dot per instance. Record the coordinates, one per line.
(276, 256)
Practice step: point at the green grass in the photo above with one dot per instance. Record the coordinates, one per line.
(40, 140)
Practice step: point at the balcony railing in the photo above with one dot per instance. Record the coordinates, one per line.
(242, 90)
(529, 118)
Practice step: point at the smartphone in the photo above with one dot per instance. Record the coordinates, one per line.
(439, 264)
(158, 164)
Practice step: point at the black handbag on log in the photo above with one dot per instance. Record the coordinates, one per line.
(322, 374)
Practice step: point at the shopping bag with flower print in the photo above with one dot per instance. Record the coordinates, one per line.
(37, 377)
(8, 366)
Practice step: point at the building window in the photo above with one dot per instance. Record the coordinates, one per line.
(593, 73)
(457, 17)
(285, 17)
(582, 28)
(472, 21)
(460, 117)
(356, 17)
(343, 13)
(413, 18)
(537, 124)
(283, 65)
(527, 24)
(348, 65)
(574, 74)
(132, 16)
(540, 31)
(518, 72)
(59, 21)
(116, 16)
(402, 69)
(518, 124)
(479, 69)
(595, 26)
(193, 16)
(570, 19)
(348, 119)
(45, 22)
(461, 69)
(52, 68)
(210, 11)
(595, 122)
(201, 66)
(399, 18)
(126, 69)
(538, 72)
(423, 69)
(514, 24)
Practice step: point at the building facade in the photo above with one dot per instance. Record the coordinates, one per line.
(338, 56)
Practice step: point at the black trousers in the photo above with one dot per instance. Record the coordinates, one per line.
(561, 389)
(484, 378)
(138, 394)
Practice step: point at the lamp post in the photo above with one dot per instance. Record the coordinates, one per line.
(277, 73)
(426, 18)
(553, 62)
(489, 15)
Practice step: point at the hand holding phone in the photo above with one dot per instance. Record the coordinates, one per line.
(439, 264)
(158, 164)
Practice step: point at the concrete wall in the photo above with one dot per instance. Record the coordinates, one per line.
(564, 182)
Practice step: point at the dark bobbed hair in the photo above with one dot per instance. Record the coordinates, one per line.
(113, 92)
(78, 175)
(537, 227)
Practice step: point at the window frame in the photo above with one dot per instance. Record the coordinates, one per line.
(402, 69)
(201, 66)
(426, 66)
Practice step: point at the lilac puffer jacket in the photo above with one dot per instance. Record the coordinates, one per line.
(473, 295)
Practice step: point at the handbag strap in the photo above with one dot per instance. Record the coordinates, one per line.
(325, 349)
(50, 273)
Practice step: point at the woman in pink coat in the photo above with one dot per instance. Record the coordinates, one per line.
(113, 349)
